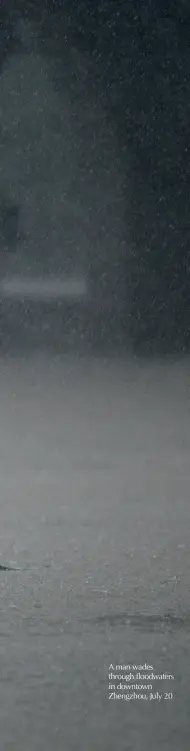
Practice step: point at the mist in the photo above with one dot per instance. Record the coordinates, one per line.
(94, 376)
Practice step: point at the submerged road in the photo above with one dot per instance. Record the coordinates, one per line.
(95, 514)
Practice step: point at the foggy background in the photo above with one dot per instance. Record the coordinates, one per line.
(94, 151)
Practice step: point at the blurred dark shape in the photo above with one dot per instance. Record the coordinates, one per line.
(9, 223)
(6, 33)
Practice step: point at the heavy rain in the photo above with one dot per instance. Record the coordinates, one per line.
(94, 375)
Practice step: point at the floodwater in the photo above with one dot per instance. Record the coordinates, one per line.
(95, 514)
